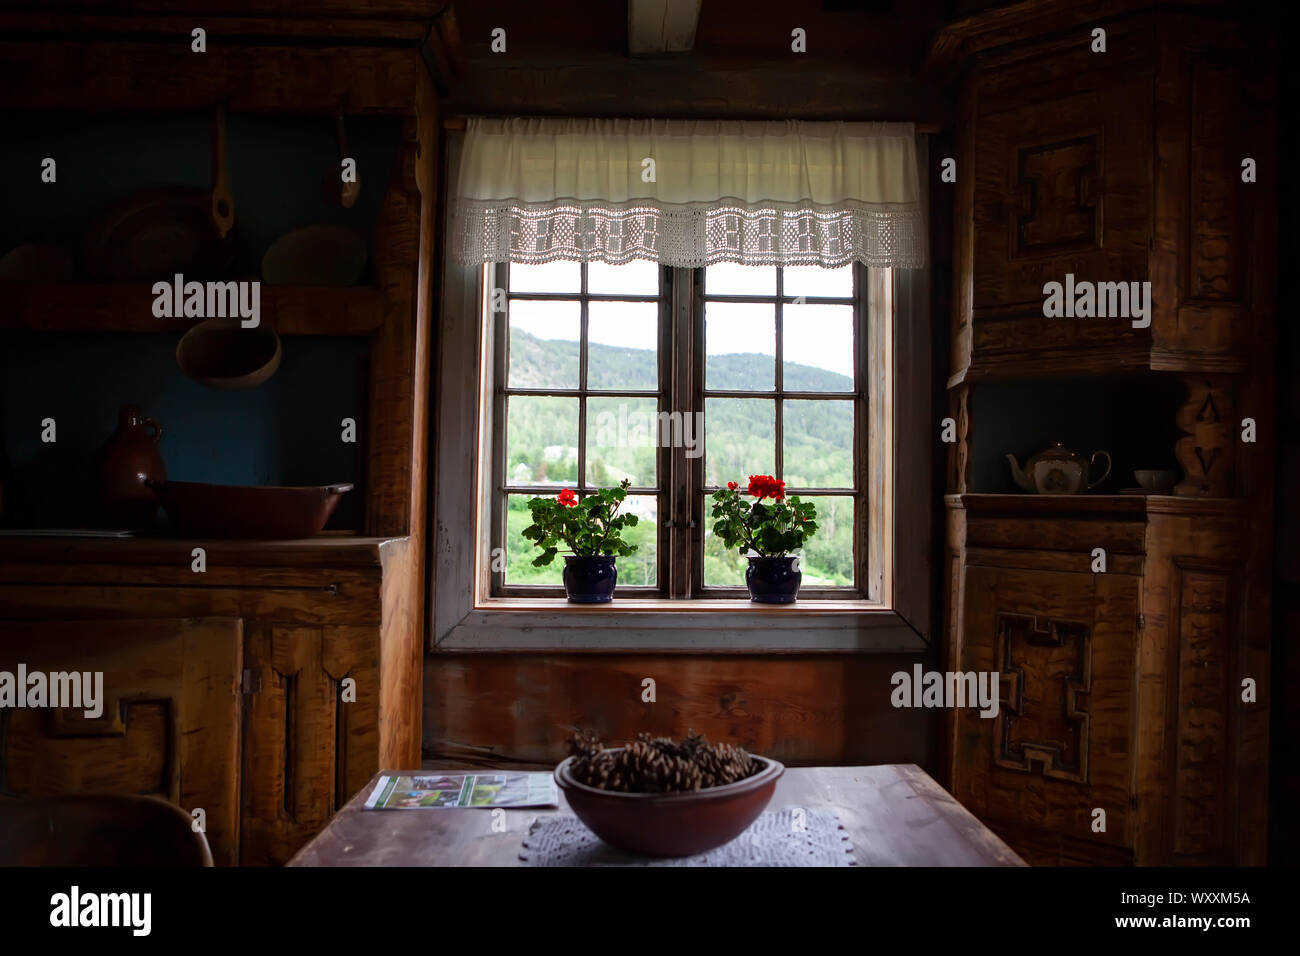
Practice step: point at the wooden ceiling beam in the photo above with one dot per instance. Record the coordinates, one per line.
(661, 26)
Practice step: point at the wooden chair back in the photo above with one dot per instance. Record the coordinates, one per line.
(99, 830)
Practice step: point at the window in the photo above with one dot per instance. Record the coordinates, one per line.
(579, 386)
(681, 380)
(581, 340)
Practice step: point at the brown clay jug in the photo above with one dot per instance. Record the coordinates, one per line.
(122, 466)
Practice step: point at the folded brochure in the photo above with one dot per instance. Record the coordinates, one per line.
(417, 791)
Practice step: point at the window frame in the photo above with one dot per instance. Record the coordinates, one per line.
(502, 391)
(683, 506)
(860, 396)
(900, 617)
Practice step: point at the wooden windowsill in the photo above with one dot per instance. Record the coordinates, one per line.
(703, 605)
(698, 626)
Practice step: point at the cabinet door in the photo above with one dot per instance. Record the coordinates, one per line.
(1061, 746)
(169, 723)
(1061, 187)
(312, 740)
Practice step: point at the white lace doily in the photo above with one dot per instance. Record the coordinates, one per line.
(791, 836)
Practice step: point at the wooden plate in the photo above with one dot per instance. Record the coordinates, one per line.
(36, 262)
(154, 234)
(315, 255)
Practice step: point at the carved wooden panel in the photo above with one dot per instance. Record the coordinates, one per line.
(1055, 188)
(170, 721)
(1060, 187)
(1064, 645)
(42, 760)
(1201, 736)
(1215, 242)
(308, 749)
(959, 450)
(1206, 451)
(1046, 675)
(1212, 261)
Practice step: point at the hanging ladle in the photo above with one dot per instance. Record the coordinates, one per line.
(223, 204)
(334, 188)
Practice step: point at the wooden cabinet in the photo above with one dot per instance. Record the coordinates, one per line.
(265, 690)
(1064, 644)
(1123, 690)
(169, 724)
(1121, 166)
(1139, 690)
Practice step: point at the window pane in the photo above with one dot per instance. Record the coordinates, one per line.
(740, 346)
(729, 278)
(817, 348)
(541, 440)
(623, 345)
(818, 439)
(520, 552)
(827, 559)
(722, 568)
(638, 569)
(816, 281)
(623, 441)
(740, 439)
(544, 344)
(549, 277)
(641, 569)
(639, 277)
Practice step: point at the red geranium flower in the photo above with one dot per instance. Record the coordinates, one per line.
(766, 486)
(732, 485)
(567, 498)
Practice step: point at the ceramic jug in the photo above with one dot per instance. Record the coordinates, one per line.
(122, 466)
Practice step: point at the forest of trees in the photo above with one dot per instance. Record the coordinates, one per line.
(740, 435)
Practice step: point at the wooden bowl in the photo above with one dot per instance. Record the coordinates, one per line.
(247, 511)
(223, 354)
(671, 824)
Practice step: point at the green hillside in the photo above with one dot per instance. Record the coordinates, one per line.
(542, 448)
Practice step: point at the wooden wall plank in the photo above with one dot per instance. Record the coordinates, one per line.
(801, 709)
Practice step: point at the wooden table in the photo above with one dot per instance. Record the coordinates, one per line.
(896, 815)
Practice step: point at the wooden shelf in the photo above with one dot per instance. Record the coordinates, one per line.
(1094, 363)
(128, 307)
(1138, 506)
(323, 551)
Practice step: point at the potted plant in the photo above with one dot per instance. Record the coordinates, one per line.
(592, 531)
(766, 534)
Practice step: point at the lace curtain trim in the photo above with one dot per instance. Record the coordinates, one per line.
(690, 235)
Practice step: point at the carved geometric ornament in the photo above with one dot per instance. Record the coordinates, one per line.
(1056, 193)
(1040, 720)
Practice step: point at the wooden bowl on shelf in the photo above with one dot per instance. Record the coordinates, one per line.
(263, 512)
(671, 824)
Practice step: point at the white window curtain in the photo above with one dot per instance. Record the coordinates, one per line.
(688, 192)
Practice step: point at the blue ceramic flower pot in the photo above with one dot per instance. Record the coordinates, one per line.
(773, 580)
(589, 579)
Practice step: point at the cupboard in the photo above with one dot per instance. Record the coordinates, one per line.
(1115, 143)
(265, 694)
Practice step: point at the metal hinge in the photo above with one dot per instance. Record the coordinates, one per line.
(252, 683)
(1142, 621)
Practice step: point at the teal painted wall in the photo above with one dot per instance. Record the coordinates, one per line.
(286, 431)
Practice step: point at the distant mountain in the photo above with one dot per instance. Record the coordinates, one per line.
(741, 432)
(548, 363)
(542, 439)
